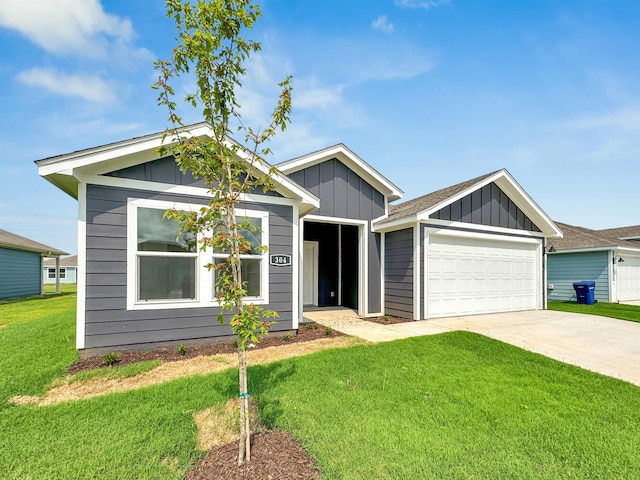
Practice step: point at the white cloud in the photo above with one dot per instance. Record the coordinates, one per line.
(383, 24)
(424, 4)
(88, 87)
(71, 27)
(625, 119)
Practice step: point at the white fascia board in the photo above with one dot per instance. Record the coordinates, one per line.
(351, 160)
(393, 225)
(582, 250)
(481, 228)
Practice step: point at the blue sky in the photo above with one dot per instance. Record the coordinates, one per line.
(429, 92)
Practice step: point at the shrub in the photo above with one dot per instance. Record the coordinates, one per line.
(111, 358)
(312, 325)
(287, 337)
(182, 349)
(328, 330)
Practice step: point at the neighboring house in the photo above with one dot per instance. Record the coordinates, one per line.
(631, 234)
(66, 273)
(595, 255)
(332, 239)
(21, 265)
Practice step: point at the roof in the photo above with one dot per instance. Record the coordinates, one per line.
(580, 238)
(624, 233)
(17, 242)
(351, 160)
(425, 202)
(420, 209)
(71, 261)
(65, 171)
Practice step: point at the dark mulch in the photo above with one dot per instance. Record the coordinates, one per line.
(303, 334)
(387, 320)
(274, 455)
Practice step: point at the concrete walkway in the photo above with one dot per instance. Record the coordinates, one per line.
(600, 344)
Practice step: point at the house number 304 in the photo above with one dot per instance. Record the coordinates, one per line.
(280, 260)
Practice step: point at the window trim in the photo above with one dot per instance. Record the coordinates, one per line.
(204, 280)
(51, 273)
(62, 273)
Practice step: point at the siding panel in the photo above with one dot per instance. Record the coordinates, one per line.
(398, 273)
(563, 269)
(20, 275)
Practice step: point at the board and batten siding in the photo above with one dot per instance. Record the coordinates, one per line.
(398, 273)
(487, 206)
(20, 273)
(563, 269)
(346, 195)
(107, 320)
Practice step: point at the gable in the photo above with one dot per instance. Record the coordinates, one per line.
(342, 192)
(488, 206)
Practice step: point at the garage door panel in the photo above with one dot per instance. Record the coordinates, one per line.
(483, 276)
(629, 278)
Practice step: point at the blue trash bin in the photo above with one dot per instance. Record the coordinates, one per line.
(585, 292)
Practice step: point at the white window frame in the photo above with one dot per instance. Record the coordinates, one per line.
(204, 279)
(51, 273)
(62, 273)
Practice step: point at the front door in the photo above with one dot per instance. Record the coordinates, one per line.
(310, 273)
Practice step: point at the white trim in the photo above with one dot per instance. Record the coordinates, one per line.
(416, 271)
(476, 226)
(295, 263)
(398, 224)
(612, 270)
(597, 249)
(81, 271)
(339, 292)
(485, 236)
(383, 241)
(204, 281)
(335, 220)
(363, 267)
(300, 247)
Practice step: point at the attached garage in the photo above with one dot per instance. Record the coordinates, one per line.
(473, 248)
(629, 278)
(483, 274)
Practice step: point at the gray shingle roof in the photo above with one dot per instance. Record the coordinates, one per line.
(580, 237)
(17, 242)
(623, 232)
(64, 262)
(417, 205)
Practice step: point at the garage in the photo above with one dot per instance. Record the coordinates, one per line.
(477, 274)
(629, 278)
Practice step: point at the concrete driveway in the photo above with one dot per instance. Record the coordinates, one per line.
(600, 344)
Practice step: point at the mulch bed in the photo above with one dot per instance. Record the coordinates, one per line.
(274, 455)
(387, 320)
(304, 334)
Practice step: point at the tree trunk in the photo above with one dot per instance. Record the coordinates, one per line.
(244, 447)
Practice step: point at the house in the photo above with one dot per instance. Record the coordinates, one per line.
(333, 240)
(610, 257)
(21, 260)
(65, 273)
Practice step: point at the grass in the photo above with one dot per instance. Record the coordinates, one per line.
(37, 344)
(456, 405)
(64, 288)
(613, 310)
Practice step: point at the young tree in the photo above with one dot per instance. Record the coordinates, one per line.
(211, 45)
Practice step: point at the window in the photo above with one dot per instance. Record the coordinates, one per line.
(166, 262)
(51, 273)
(167, 270)
(63, 273)
(251, 262)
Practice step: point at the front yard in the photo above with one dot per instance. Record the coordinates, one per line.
(456, 405)
(613, 310)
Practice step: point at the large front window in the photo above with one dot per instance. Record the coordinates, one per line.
(167, 270)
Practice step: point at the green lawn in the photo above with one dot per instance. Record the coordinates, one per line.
(613, 310)
(456, 405)
(64, 288)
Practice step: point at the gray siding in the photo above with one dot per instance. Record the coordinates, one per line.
(20, 273)
(109, 323)
(398, 273)
(342, 192)
(565, 268)
(487, 206)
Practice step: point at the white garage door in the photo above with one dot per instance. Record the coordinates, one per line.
(629, 278)
(472, 276)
